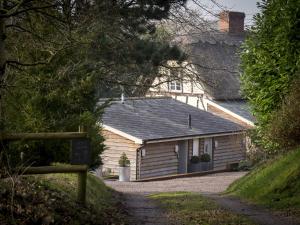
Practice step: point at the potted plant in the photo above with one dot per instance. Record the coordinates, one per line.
(205, 162)
(124, 168)
(194, 165)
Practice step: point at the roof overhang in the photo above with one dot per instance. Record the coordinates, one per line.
(123, 134)
(230, 113)
(168, 139)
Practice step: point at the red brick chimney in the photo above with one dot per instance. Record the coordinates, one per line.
(232, 22)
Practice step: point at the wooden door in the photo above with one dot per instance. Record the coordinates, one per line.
(182, 156)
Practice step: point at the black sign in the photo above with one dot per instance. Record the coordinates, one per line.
(80, 151)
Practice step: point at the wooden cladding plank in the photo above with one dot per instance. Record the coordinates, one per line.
(119, 143)
(158, 172)
(159, 150)
(157, 163)
(160, 166)
(238, 157)
(229, 154)
(234, 158)
(163, 154)
(160, 159)
(112, 136)
(225, 150)
(120, 149)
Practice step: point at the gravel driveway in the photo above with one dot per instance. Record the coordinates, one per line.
(213, 183)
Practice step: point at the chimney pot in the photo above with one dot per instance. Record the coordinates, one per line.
(231, 22)
(190, 121)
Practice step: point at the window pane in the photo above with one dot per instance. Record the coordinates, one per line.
(178, 86)
(196, 147)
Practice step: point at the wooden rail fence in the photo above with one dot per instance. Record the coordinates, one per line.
(81, 170)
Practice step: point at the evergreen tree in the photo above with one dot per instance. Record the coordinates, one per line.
(271, 59)
(70, 51)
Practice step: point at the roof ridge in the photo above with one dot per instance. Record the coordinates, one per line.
(134, 98)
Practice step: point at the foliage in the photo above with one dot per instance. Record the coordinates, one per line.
(205, 157)
(124, 161)
(270, 60)
(245, 165)
(284, 127)
(195, 159)
(50, 199)
(191, 208)
(275, 183)
(64, 57)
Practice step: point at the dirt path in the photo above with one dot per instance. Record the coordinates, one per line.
(256, 213)
(143, 211)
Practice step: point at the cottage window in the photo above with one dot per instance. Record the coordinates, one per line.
(175, 86)
(195, 147)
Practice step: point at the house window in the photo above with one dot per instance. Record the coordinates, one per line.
(175, 86)
(196, 147)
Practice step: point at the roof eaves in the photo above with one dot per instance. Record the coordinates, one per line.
(231, 113)
(123, 134)
(186, 137)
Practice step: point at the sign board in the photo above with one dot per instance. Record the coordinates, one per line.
(80, 151)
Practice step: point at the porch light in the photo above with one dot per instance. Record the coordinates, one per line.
(176, 149)
(216, 144)
(143, 152)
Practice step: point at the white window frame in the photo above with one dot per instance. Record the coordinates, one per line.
(175, 86)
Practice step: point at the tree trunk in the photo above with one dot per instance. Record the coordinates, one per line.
(2, 66)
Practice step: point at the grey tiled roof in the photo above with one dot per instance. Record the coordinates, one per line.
(160, 118)
(238, 107)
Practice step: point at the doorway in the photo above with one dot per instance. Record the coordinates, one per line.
(182, 156)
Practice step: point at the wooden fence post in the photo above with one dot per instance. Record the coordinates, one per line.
(82, 178)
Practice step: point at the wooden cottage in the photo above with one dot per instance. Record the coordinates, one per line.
(160, 136)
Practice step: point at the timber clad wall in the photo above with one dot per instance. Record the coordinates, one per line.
(230, 149)
(116, 145)
(160, 160)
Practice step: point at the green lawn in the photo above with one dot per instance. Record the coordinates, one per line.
(275, 184)
(192, 209)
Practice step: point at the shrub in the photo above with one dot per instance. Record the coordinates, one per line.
(270, 60)
(195, 159)
(284, 128)
(205, 158)
(124, 161)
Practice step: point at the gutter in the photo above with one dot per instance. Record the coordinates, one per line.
(176, 138)
(186, 137)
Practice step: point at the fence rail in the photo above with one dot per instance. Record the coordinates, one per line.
(81, 170)
(43, 136)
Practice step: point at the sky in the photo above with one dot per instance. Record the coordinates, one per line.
(249, 7)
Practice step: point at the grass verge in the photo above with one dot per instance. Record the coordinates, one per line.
(192, 209)
(51, 199)
(275, 184)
